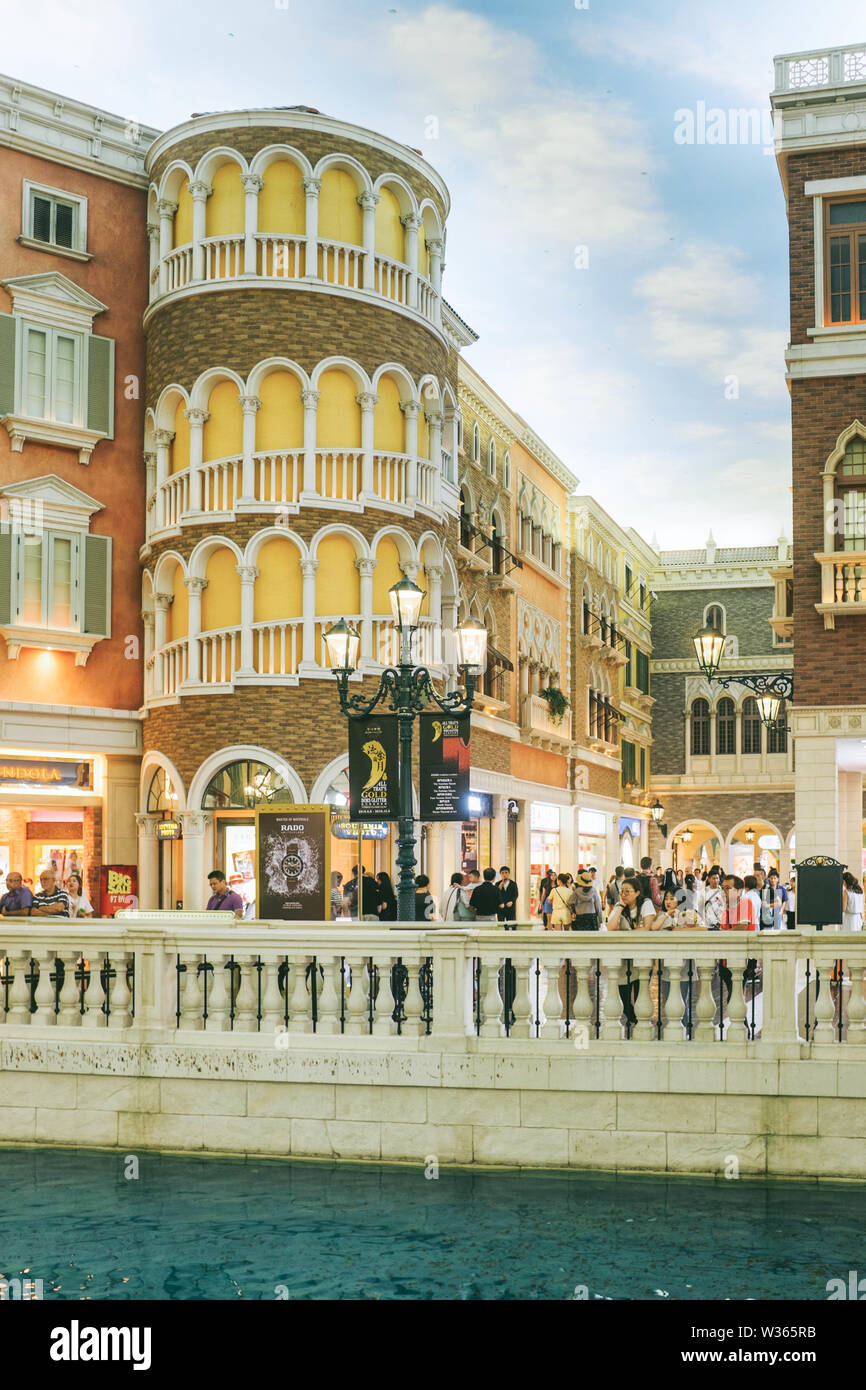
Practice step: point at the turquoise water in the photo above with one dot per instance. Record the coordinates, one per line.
(214, 1228)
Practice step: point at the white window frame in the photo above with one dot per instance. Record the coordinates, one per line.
(476, 443)
(491, 458)
(721, 607)
(818, 190)
(52, 333)
(57, 195)
(49, 539)
(506, 470)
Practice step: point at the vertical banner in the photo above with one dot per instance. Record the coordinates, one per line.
(374, 773)
(293, 847)
(118, 887)
(444, 766)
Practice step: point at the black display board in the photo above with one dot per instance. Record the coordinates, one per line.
(374, 769)
(819, 891)
(444, 763)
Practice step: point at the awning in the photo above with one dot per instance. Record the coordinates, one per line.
(498, 658)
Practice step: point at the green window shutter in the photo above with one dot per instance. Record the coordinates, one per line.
(7, 364)
(5, 572)
(97, 585)
(100, 385)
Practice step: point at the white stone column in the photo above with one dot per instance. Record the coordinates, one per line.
(311, 401)
(252, 188)
(312, 188)
(367, 401)
(148, 619)
(194, 587)
(451, 445)
(368, 202)
(816, 794)
(149, 491)
(250, 405)
(434, 653)
(738, 737)
(411, 409)
(828, 479)
(850, 821)
(310, 655)
(161, 605)
(195, 889)
(162, 439)
(435, 249)
(365, 568)
(249, 574)
(166, 210)
(434, 421)
(200, 191)
(197, 418)
(148, 861)
(153, 260)
(435, 865)
(412, 222)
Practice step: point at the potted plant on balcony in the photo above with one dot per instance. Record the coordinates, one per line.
(557, 703)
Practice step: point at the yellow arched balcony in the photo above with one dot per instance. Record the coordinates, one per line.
(274, 221)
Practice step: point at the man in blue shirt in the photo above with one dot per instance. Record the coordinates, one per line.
(222, 898)
(17, 900)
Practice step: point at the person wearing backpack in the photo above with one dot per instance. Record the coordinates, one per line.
(585, 904)
(614, 883)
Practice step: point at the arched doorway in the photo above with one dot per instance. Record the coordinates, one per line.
(233, 794)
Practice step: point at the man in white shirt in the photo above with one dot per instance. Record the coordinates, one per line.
(714, 903)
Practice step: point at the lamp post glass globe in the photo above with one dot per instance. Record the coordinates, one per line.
(471, 638)
(768, 709)
(406, 599)
(750, 835)
(657, 811)
(709, 645)
(342, 642)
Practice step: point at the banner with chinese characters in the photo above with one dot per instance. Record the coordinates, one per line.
(118, 887)
(374, 772)
(293, 848)
(444, 762)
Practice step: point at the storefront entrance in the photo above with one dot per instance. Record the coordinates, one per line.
(476, 834)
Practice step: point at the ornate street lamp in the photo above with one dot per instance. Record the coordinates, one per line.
(709, 645)
(657, 811)
(750, 835)
(409, 690)
(771, 687)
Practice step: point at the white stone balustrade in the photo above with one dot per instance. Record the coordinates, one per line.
(462, 987)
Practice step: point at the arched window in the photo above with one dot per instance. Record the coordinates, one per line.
(714, 617)
(726, 726)
(465, 520)
(245, 785)
(160, 794)
(496, 544)
(585, 616)
(851, 489)
(338, 791)
(700, 728)
(506, 470)
(476, 442)
(751, 726)
(491, 458)
(459, 421)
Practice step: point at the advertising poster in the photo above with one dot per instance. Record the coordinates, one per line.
(444, 749)
(374, 772)
(118, 887)
(293, 863)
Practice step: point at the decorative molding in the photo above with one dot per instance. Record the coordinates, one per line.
(51, 297)
(822, 721)
(781, 660)
(21, 428)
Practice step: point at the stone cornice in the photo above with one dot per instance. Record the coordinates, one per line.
(70, 132)
(773, 661)
(823, 720)
(218, 121)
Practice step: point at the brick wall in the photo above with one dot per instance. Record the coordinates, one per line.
(726, 809)
(678, 614)
(669, 738)
(236, 328)
(827, 665)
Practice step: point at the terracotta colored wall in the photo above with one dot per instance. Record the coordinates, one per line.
(117, 275)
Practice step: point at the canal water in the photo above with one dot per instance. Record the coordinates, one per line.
(218, 1228)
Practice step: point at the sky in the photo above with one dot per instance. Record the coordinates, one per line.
(628, 282)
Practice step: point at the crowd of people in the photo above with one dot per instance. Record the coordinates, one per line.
(51, 899)
(471, 897)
